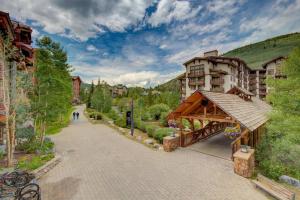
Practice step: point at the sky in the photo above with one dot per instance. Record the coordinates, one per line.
(144, 42)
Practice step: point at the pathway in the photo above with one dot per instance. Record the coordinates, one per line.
(98, 163)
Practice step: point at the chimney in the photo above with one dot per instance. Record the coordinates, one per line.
(211, 53)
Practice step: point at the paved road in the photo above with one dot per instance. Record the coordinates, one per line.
(98, 163)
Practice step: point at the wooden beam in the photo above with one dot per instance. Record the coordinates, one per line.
(193, 106)
(211, 118)
(215, 109)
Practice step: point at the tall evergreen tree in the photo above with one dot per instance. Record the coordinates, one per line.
(88, 103)
(53, 91)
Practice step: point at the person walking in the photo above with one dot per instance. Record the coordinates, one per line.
(74, 115)
(77, 115)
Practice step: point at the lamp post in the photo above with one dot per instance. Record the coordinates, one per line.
(132, 123)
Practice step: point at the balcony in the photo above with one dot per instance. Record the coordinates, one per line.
(262, 76)
(196, 74)
(198, 82)
(252, 76)
(218, 89)
(252, 81)
(217, 81)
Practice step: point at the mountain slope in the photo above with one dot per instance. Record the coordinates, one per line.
(258, 53)
(255, 54)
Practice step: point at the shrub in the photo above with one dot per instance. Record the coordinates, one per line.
(197, 125)
(163, 118)
(95, 115)
(26, 133)
(139, 124)
(156, 110)
(121, 122)
(145, 116)
(28, 146)
(150, 129)
(161, 133)
(186, 123)
(113, 114)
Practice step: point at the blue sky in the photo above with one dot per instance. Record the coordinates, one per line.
(144, 42)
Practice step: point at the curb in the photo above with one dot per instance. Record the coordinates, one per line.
(41, 171)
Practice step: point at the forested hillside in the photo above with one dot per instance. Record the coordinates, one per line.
(258, 53)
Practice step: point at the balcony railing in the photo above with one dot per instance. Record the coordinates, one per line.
(195, 74)
(218, 81)
(252, 76)
(219, 89)
(199, 82)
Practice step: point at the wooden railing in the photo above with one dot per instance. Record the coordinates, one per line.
(212, 128)
(219, 81)
(196, 74)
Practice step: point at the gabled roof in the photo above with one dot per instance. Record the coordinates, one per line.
(218, 59)
(250, 114)
(241, 90)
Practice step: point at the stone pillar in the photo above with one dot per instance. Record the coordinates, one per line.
(171, 143)
(244, 163)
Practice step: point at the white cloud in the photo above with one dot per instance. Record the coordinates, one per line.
(278, 19)
(91, 48)
(118, 75)
(78, 19)
(224, 7)
(172, 10)
(35, 34)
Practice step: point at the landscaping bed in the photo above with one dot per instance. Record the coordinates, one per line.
(149, 133)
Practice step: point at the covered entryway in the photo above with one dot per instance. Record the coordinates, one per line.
(237, 113)
(218, 146)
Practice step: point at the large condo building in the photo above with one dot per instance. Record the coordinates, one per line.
(212, 72)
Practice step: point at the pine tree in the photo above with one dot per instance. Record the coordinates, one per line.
(53, 91)
(88, 103)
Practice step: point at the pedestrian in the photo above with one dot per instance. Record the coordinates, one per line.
(77, 115)
(74, 115)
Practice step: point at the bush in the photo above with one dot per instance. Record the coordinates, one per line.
(34, 146)
(139, 124)
(186, 123)
(161, 133)
(121, 122)
(95, 115)
(145, 116)
(163, 118)
(113, 114)
(156, 110)
(197, 125)
(150, 129)
(25, 133)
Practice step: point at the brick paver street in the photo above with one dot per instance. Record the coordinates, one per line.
(98, 163)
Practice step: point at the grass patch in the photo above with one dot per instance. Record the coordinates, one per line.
(35, 162)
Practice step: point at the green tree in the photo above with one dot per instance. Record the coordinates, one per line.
(89, 99)
(279, 150)
(53, 91)
(101, 99)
